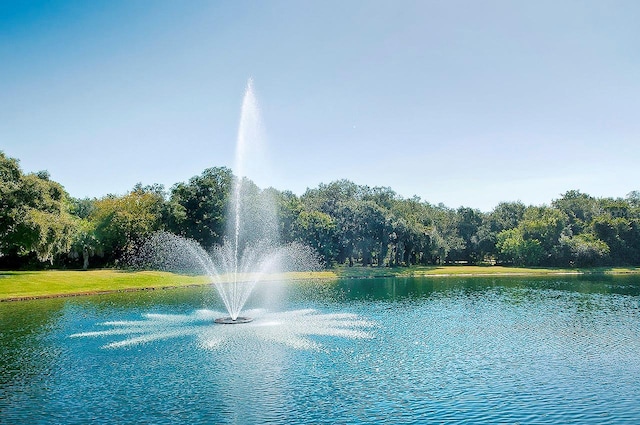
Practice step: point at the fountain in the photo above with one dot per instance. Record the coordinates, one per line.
(230, 321)
(252, 252)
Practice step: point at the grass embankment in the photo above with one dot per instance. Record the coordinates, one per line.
(18, 285)
(51, 283)
(462, 270)
(21, 285)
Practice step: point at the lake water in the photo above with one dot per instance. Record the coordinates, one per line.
(432, 350)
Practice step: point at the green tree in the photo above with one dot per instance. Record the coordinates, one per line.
(411, 225)
(585, 250)
(545, 225)
(34, 217)
(505, 216)
(515, 249)
(372, 232)
(197, 208)
(10, 202)
(85, 243)
(444, 235)
(122, 222)
(469, 221)
(317, 230)
(622, 236)
(633, 198)
(289, 208)
(339, 200)
(579, 208)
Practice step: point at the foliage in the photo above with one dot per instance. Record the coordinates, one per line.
(122, 222)
(586, 250)
(196, 209)
(345, 223)
(34, 214)
(515, 249)
(317, 230)
(85, 242)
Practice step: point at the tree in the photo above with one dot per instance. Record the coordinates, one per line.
(585, 250)
(289, 208)
(85, 243)
(622, 236)
(339, 200)
(317, 230)
(514, 248)
(410, 227)
(197, 208)
(82, 208)
(505, 216)
(34, 217)
(122, 222)
(444, 235)
(468, 222)
(545, 225)
(633, 198)
(579, 208)
(372, 234)
(10, 204)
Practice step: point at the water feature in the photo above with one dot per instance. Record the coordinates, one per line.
(251, 250)
(430, 350)
(236, 291)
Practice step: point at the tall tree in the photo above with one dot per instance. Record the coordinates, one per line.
(545, 225)
(122, 222)
(619, 228)
(317, 230)
(469, 222)
(10, 203)
(34, 217)
(197, 208)
(579, 208)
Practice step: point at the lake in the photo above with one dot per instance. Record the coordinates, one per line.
(560, 349)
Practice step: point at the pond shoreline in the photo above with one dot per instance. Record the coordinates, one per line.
(77, 283)
(98, 292)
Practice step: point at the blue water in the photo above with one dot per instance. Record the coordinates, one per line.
(437, 350)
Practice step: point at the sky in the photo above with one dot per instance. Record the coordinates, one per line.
(465, 103)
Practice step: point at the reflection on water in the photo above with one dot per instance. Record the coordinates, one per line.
(456, 350)
(290, 328)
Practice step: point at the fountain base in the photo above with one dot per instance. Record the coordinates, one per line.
(230, 321)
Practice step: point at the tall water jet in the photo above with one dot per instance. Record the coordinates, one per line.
(246, 228)
(250, 250)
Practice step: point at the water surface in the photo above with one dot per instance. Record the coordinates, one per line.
(429, 350)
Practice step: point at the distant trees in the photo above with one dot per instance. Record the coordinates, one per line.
(197, 208)
(346, 223)
(120, 223)
(375, 226)
(35, 222)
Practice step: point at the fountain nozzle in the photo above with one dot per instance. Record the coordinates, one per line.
(231, 321)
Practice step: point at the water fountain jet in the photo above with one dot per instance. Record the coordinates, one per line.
(251, 251)
(230, 321)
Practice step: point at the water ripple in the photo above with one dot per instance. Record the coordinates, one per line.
(291, 328)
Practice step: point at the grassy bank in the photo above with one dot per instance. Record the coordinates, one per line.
(52, 283)
(38, 284)
(364, 272)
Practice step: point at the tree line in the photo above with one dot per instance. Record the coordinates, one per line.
(41, 225)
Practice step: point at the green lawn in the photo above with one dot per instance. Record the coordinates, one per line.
(64, 282)
(36, 284)
(461, 270)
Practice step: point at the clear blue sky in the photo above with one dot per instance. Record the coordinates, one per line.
(458, 102)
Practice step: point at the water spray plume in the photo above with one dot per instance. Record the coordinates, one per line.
(251, 251)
